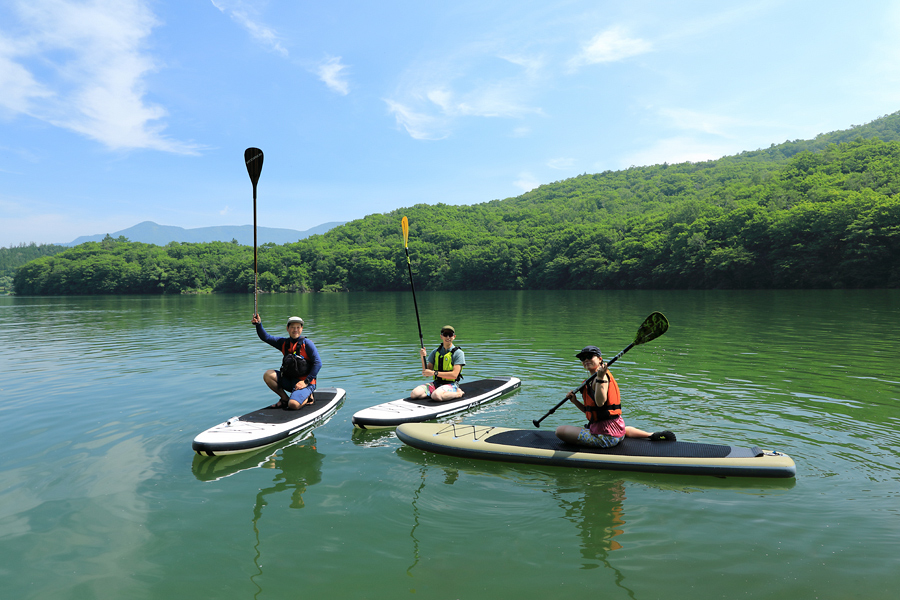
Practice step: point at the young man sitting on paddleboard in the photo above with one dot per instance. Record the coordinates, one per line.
(603, 409)
(296, 380)
(444, 365)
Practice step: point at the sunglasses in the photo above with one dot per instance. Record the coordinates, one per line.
(447, 333)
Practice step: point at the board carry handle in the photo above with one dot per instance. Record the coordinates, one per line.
(653, 326)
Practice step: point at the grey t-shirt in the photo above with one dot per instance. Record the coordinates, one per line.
(457, 358)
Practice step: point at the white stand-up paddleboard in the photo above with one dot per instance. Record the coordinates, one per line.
(267, 426)
(544, 448)
(408, 410)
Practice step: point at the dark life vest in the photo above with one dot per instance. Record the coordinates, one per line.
(295, 364)
(443, 361)
(610, 410)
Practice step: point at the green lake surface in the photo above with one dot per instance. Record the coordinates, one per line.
(102, 497)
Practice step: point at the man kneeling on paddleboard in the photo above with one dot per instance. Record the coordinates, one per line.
(603, 408)
(296, 380)
(445, 364)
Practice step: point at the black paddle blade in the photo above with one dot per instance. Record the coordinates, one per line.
(653, 326)
(254, 159)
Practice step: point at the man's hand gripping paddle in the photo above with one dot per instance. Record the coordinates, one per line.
(653, 326)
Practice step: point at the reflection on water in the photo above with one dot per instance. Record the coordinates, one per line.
(98, 418)
(596, 508)
(298, 467)
(599, 514)
(373, 438)
(594, 502)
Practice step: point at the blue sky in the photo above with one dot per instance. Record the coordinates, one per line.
(114, 112)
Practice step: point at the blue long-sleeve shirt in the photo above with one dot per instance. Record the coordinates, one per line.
(278, 342)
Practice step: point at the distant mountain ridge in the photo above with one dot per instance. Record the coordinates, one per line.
(149, 232)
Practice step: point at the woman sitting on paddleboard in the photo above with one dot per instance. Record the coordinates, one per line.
(444, 365)
(603, 409)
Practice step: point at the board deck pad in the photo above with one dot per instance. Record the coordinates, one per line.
(266, 426)
(409, 410)
(531, 446)
(470, 389)
(627, 447)
(283, 415)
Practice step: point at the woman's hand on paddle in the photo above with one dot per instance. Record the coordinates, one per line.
(256, 320)
(573, 398)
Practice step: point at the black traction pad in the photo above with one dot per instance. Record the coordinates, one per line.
(547, 440)
(283, 415)
(474, 388)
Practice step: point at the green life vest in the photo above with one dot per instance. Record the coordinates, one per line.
(443, 361)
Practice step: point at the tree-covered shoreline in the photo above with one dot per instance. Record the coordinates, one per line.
(818, 214)
(15, 256)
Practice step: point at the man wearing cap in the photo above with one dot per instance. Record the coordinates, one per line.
(603, 408)
(296, 380)
(444, 365)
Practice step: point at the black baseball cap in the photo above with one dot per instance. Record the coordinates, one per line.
(589, 351)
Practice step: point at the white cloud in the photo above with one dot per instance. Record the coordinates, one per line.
(561, 163)
(331, 71)
(611, 45)
(81, 66)
(697, 121)
(493, 100)
(17, 83)
(677, 150)
(418, 125)
(427, 105)
(244, 14)
(526, 182)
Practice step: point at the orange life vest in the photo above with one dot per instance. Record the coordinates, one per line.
(610, 410)
(288, 348)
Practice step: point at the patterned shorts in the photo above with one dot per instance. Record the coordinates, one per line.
(447, 387)
(586, 438)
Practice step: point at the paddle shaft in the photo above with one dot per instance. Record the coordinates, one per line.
(253, 159)
(255, 267)
(415, 304)
(404, 226)
(587, 381)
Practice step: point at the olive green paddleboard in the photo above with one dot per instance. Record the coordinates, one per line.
(544, 448)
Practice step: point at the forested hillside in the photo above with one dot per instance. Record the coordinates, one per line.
(821, 213)
(15, 256)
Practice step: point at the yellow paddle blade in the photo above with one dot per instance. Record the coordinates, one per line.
(405, 225)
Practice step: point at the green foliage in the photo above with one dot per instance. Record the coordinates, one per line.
(15, 256)
(804, 214)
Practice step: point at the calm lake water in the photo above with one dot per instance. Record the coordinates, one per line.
(102, 497)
